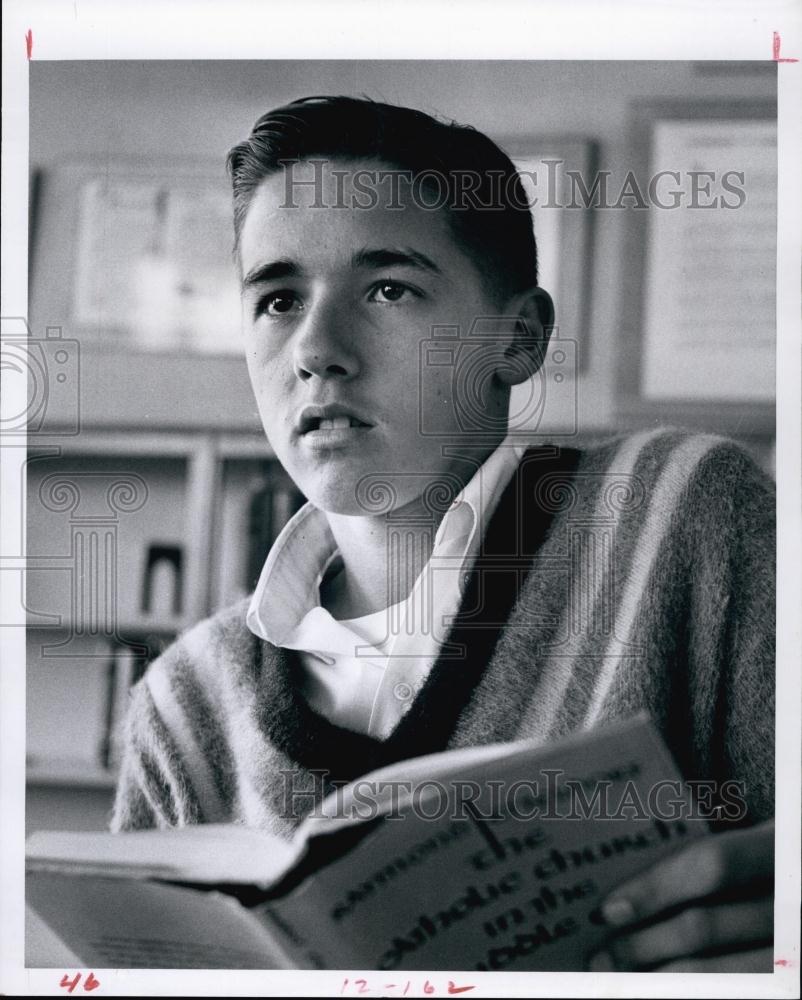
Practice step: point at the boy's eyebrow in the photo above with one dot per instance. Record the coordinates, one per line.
(271, 271)
(392, 257)
(372, 259)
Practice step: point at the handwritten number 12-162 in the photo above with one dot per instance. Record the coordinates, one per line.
(362, 986)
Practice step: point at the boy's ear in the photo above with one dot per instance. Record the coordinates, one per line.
(526, 351)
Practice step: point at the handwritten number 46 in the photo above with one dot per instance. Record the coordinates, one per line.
(90, 983)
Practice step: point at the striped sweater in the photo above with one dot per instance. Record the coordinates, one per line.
(634, 574)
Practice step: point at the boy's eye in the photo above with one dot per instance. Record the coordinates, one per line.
(277, 303)
(390, 292)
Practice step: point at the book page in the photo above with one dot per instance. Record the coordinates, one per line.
(133, 924)
(210, 853)
(120, 222)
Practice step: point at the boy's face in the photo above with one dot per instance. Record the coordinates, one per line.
(336, 304)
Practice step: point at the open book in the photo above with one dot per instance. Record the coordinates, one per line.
(489, 858)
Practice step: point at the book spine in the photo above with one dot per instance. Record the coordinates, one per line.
(122, 673)
(286, 937)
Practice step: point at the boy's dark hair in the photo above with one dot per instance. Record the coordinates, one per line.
(477, 182)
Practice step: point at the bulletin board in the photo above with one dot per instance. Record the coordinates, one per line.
(698, 329)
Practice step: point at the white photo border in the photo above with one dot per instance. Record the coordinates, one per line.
(356, 29)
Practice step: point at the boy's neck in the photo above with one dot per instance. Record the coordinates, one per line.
(381, 560)
(382, 556)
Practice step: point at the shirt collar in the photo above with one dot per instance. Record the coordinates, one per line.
(474, 505)
(288, 586)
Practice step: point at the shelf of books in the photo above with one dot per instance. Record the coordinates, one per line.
(131, 538)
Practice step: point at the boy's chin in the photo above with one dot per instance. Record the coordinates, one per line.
(373, 495)
(334, 496)
(346, 503)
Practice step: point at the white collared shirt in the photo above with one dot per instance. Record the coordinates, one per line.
(363, 673)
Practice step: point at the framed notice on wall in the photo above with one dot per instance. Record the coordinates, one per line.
(138, 255)
(699, 329)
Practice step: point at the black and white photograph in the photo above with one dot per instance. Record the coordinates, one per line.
(401, 485)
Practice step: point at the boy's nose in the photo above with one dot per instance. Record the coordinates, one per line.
(324, 346)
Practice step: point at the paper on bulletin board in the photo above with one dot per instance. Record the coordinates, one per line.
(710, 287)
(154, 265)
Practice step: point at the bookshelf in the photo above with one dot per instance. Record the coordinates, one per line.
(133, 534)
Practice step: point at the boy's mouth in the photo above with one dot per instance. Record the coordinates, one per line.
(332, 424)
(328, 419)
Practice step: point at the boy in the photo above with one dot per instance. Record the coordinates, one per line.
(445, 585)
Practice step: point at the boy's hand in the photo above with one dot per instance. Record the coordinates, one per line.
(707, 908)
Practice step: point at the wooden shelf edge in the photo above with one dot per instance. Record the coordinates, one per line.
(129, 629)
(70, 774)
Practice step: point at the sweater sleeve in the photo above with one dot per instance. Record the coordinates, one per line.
(153, 789)
(731, 623)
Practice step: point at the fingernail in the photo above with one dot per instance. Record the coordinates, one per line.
(601, 962)
(618, 911)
